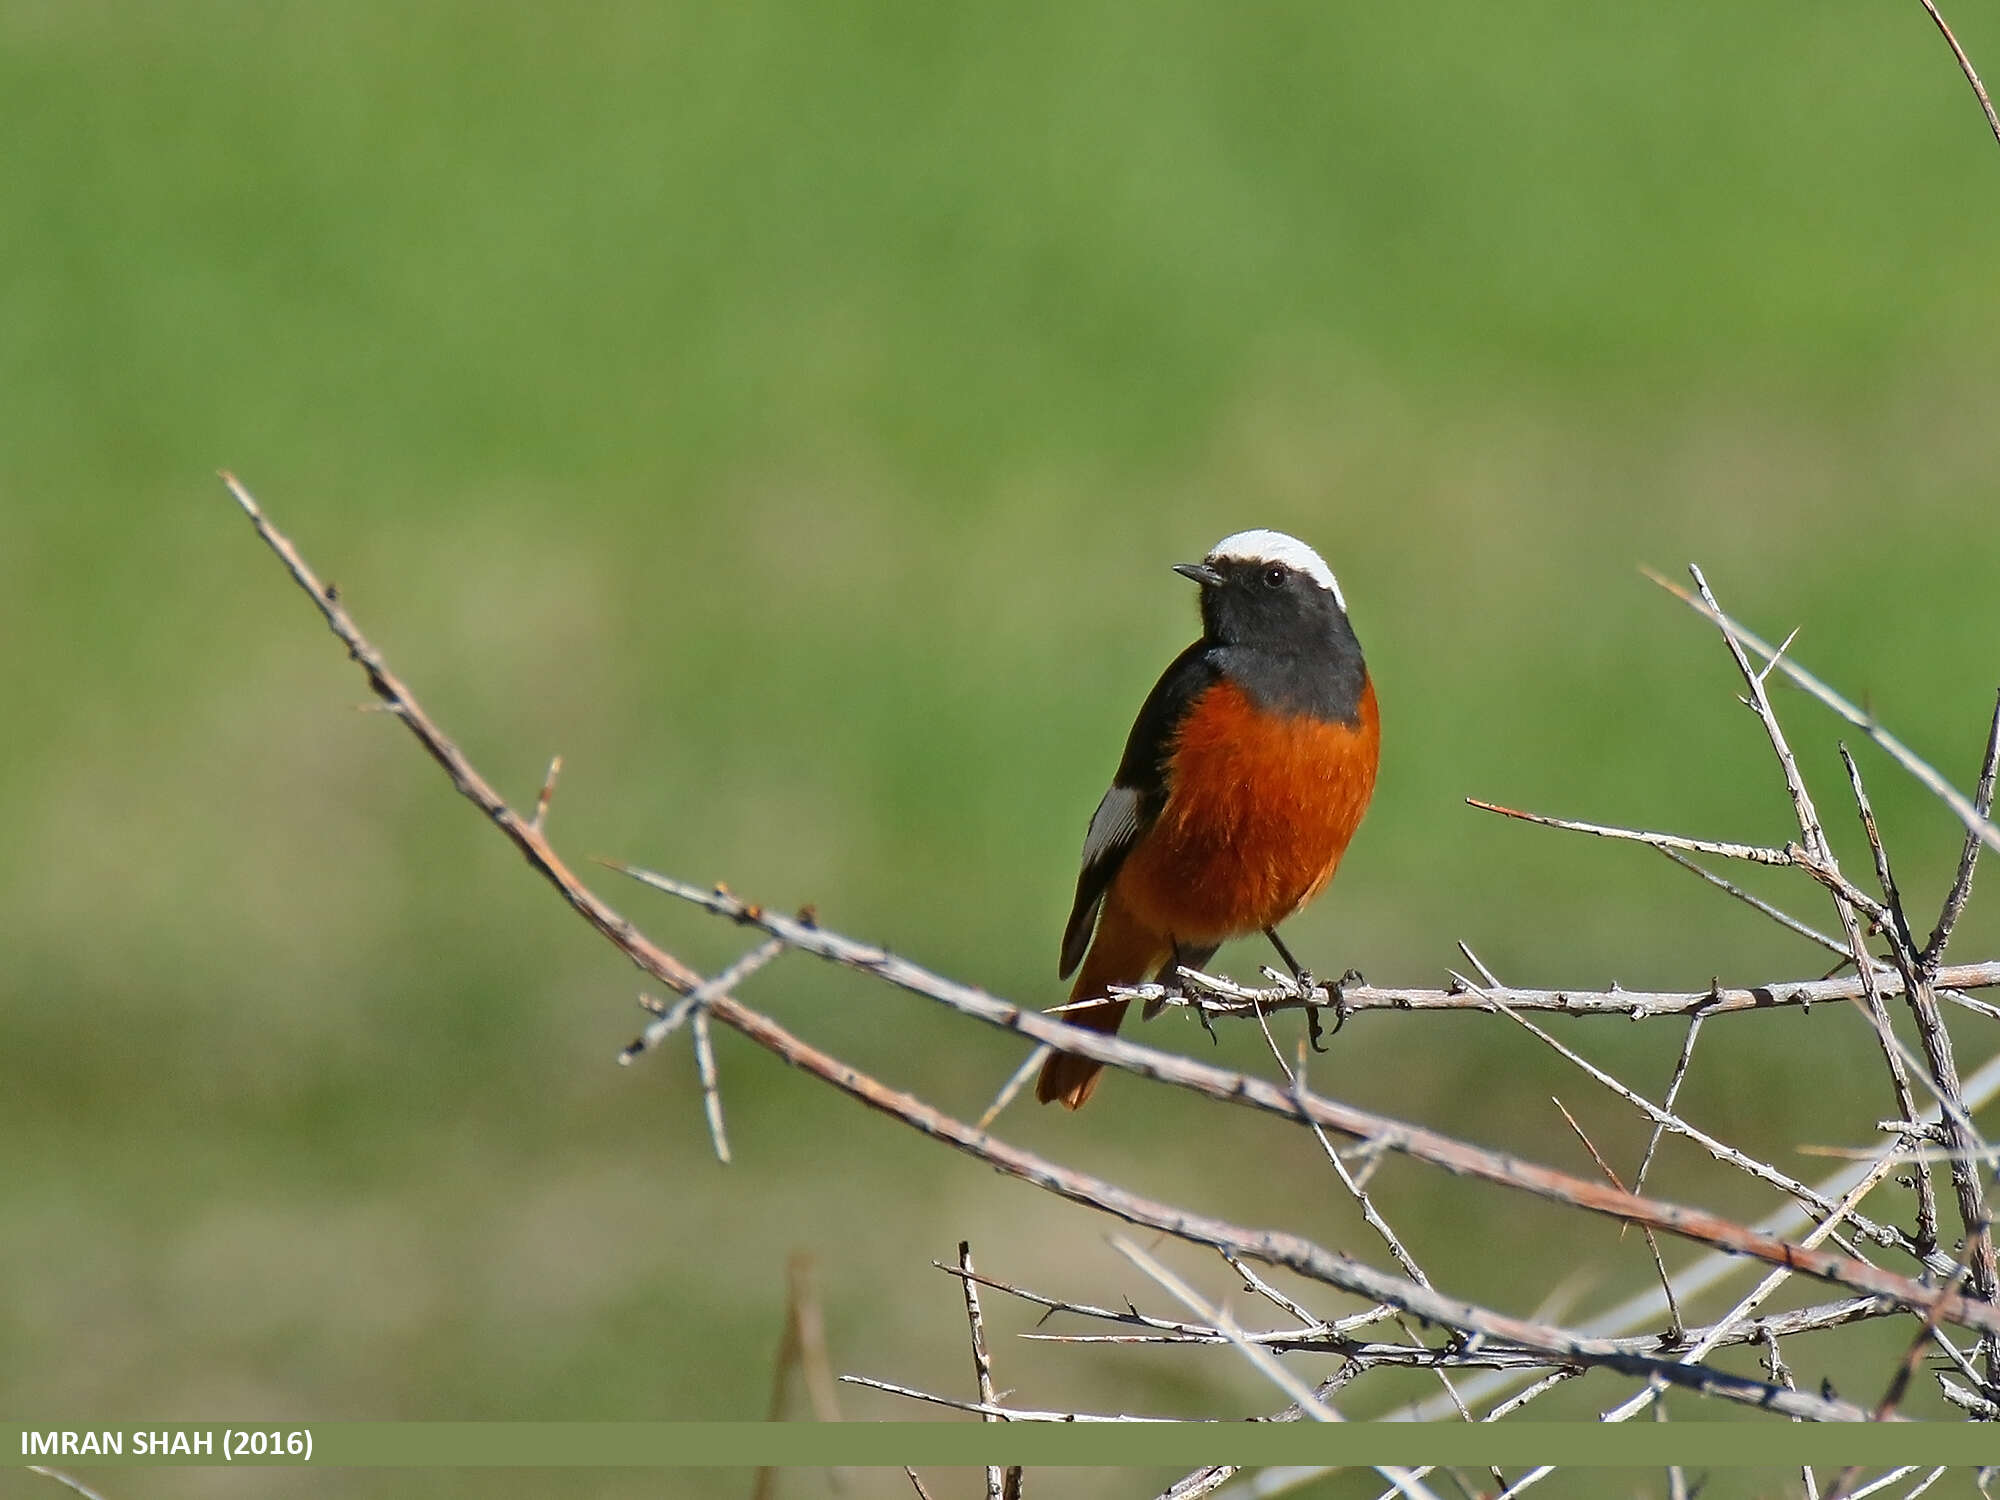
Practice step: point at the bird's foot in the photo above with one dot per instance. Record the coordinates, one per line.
(1338, 992)
(1180, 989)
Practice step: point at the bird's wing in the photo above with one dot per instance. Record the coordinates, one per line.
(1138, 793)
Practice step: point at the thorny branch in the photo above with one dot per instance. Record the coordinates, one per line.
(1378, 1133)
(1482, 1338)
(1818, 859)
(1222, 998)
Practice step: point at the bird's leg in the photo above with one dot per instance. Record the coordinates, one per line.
(1301, 976)
(1338, 989)
(1303, 980)
(1192, 958)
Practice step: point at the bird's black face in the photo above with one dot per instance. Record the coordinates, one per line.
(1266, 605)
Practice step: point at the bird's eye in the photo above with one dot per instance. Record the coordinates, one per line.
(1274, 577)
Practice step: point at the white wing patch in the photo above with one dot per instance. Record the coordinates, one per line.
(1113, 825)
(1277, 547)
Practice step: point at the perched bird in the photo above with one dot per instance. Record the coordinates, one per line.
(1246, 773)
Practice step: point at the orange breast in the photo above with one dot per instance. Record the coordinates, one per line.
(1260, 809)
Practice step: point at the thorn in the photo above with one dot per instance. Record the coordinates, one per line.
(1778, 655)
(1478, 963)
(548, 791)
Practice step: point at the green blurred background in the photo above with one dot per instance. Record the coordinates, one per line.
(789, 414)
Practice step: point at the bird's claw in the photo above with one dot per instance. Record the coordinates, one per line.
(1338, 991)
(1181, 990)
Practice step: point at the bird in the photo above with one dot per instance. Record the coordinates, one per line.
(1246, 774)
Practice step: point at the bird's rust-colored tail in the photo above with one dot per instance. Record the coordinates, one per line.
(1124, 951)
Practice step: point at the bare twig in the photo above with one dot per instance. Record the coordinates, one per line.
(65, 1479)
(1526, 1482)
(1844, 1486)
(980, 1408)
(1652, 1244)
(1975, 821)
(1201, 1482)
(1756, 903)
(1756, 854)
(1965, 67)
(1272, 1295)
(1775, 1363)
(1016, 1081)
(711, 1090)
(1129, 1317)
(1220, 997)
(982, 1362)
(1667, 1103)
(673, 1017)
(1968, 855)
(1969, 1401)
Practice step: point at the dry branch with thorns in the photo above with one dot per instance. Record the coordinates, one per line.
(1487, 1362)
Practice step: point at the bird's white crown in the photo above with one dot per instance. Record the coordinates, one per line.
(1276, 547)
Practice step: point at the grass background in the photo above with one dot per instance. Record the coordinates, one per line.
(789, 413)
